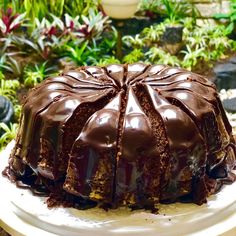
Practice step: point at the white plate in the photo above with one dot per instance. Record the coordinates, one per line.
(24, 214)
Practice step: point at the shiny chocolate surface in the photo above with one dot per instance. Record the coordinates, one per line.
(126, 134)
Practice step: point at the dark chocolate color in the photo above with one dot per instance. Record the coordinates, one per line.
(126, 135)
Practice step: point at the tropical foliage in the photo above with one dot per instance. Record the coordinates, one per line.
(207, 43)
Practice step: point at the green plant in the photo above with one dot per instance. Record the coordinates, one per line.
(134, 56)
(42, 9)
(192, 56)
(202, 44)
(135, 41)
(221, 44)
(56, 7)
(1, 75)
(17, 112)
(16, 5)
(107, 61)
(9, 88)
(35, 9)
(3, 5)
(211, 39)
(197, 39)
(189, 23)
(83, 54)
(174, 11)
(150, 5)
(107, 41)
(231, 17)
(159, 56)
(11, 64)
(149, 36)
(36, 74)
(177, 11)
(3, 60)
(9, 133)
(80, 7)
(153, 33)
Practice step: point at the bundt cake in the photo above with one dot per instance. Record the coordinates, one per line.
(132, 135)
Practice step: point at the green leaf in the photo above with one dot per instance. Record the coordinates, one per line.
(9, 133)
(233, 17)
(230, 28)
(222, 16)
(4, 127)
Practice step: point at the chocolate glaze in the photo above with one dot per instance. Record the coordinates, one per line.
(138, 149)
(92, 161)
(140, 135)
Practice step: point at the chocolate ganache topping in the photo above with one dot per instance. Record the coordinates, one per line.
(125, 135)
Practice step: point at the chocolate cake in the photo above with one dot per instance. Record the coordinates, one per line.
(132, 135)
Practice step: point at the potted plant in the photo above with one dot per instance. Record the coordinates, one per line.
(175, 13)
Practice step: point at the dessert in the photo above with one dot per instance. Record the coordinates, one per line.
(132, 135)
